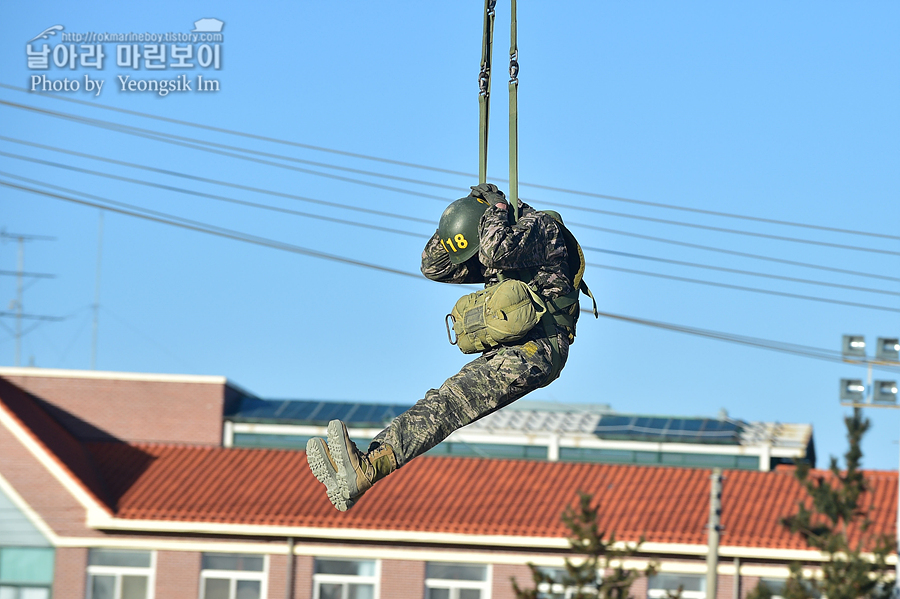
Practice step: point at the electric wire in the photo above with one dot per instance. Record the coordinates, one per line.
(193, 144)
(198, 145)
(397, 231)
(745, 254)
(429, 221)
(168, 219)
(129, 210)
(205, 195)
(768, 344)
(197, 178)
(799, 350)
(738, 271)
(743, 288)
(450, 171)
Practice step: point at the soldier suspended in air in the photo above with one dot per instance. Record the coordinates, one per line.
(522, 323)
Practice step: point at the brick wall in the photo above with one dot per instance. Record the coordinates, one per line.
(402, 579)
(40, 490)
(303, 574)
(501, 586)
(69, 573)
(177, 575)
(132, 410)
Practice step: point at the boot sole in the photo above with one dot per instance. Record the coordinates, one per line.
(325, 473)
(338, 449)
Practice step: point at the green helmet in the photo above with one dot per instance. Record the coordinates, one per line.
(458, 227)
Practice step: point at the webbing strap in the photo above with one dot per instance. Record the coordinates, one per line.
(513, 115)
(555, 357)
(484, 88)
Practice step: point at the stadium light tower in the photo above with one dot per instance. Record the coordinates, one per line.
(873, 394)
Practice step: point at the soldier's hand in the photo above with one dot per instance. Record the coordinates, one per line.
(489, 192)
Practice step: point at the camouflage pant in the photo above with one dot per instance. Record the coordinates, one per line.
(494, 380)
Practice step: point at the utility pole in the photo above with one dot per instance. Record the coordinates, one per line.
(715, 521)
(20, 288)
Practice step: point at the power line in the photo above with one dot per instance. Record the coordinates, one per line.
(184, 223)
(454, 172)
(738, 271)
(743, 254)
(198, 145)
(800, 350)
(172, 139)
(399, 231)
(37, 275)
(197, 178)
(768, 344)
(743, 288)
(201, 195)
(429, 221)
(203, 227)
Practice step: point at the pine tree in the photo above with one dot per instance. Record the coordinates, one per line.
(598, 557)
(835, 505)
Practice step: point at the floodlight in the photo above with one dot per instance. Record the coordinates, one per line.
(853, 390)
(888, 349)
(885, 392)
(854, 346)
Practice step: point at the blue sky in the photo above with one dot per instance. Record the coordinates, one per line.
(784, 111)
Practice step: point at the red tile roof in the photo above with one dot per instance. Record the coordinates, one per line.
(267, 487)
(460, 495)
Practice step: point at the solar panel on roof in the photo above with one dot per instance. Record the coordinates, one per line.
(315, 412)
(668, 430)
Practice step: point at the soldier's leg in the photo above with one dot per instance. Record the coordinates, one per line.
(482, 386)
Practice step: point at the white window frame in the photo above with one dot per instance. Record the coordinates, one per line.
(664, 593)
(455, 584)
(120, 571)
(346, 579)
(558, 588)
(235, 575)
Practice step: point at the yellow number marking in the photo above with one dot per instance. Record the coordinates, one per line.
(461, 241)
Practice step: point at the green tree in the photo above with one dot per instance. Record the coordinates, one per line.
(854, 569)
(596, 557)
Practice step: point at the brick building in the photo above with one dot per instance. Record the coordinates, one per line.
(117, 485)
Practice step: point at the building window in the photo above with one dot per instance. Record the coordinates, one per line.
(232, 576)
(456, 581)
(120, 574)
(26, 572)
(692, 586)
(776, 587)
(345, 579)
(560, 588)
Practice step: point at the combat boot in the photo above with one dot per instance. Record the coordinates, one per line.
(325, 470)
(356, 471)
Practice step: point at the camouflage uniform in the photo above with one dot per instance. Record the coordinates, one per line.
(534, 246)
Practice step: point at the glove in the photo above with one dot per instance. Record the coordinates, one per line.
(489, 192)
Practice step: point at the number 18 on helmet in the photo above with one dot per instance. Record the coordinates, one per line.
(458, 227)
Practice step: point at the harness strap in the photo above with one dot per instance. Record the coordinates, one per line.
(484, 88)
(513, 115)
(555, 357)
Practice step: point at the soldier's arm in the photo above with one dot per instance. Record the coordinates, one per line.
(505, 246)
(436, 265)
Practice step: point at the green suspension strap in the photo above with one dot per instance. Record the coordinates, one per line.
(484, 88)
(513, 115)
(549, 320)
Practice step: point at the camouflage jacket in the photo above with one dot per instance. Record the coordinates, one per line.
(534, 244)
